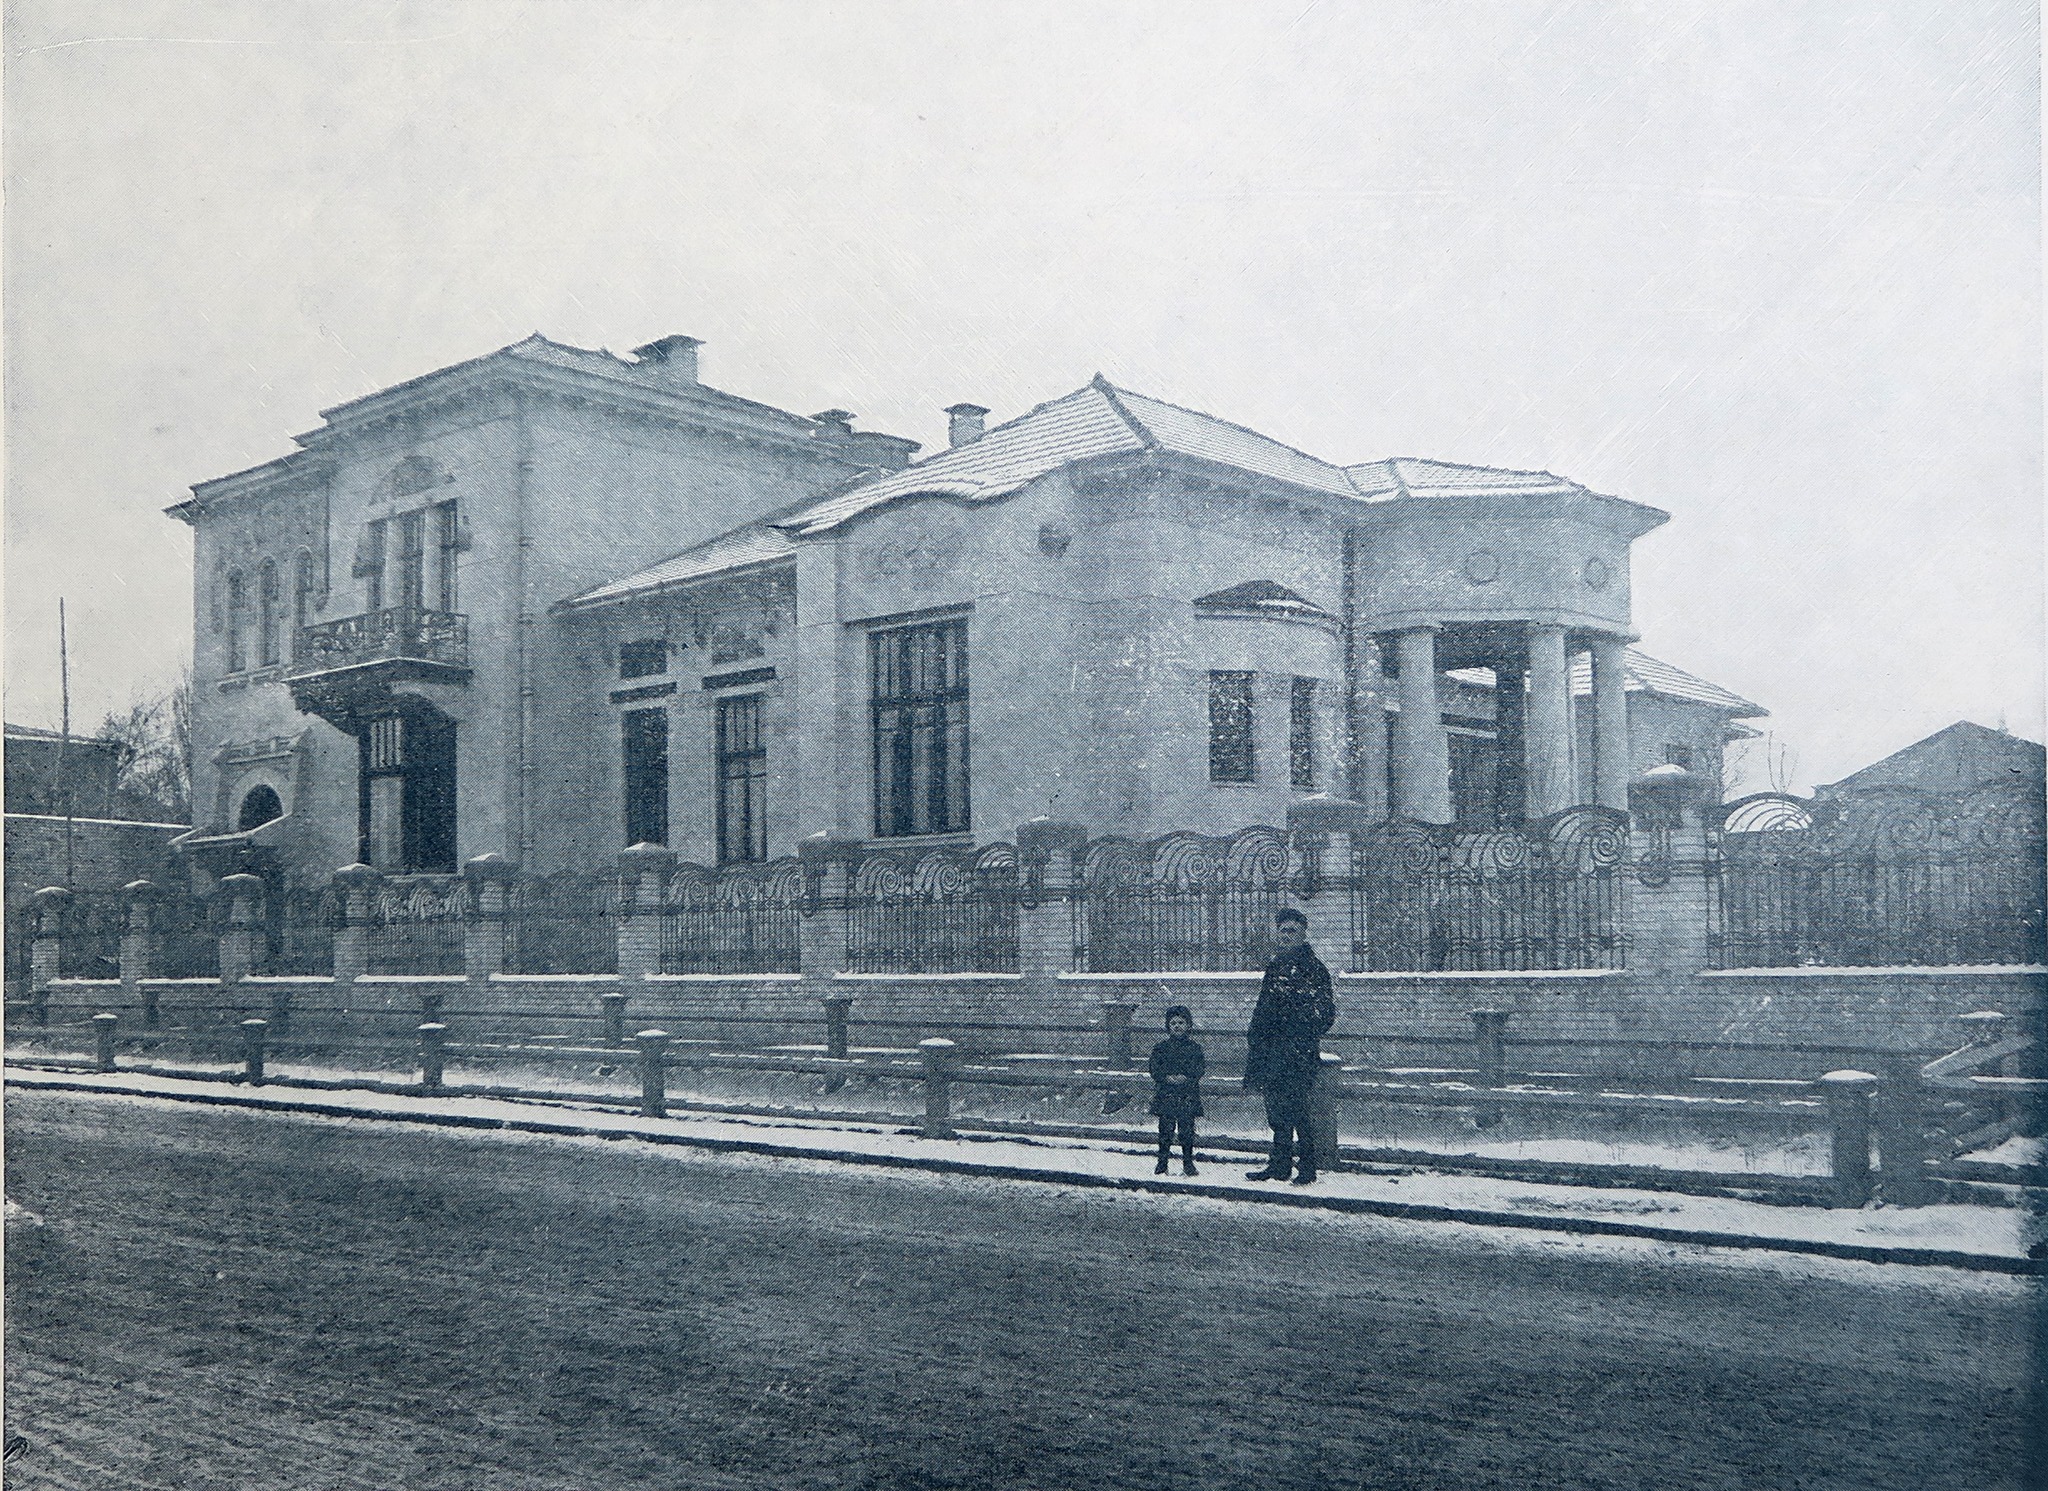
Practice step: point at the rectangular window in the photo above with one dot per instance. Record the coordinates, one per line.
(447, 539)
(919, 703)
(266, 614)
(1233, 755)
(387, 744)
(1678, 755)
(371, 566)
(645, 733)
(643, 659)
(412, 559)
(742, 781)
(238, 620)
(1301, 735)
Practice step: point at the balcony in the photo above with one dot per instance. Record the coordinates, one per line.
(339, 667)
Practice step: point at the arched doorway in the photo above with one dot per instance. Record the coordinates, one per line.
(259, 806)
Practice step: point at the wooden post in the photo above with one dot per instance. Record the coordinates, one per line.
(937, 1056)
(46, 949)
(613, 1004)
(1902, 1134)
(433, 1038)
(253, 1032)
(1116, 1033)
(653, 1073)
(431, 1001)
(103, 1040)
(1490, 1052)
(1322, 1111)
(239, 955)
(1848, 1098)
(837, 1007)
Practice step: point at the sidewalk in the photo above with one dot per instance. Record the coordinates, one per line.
(1982, 1238)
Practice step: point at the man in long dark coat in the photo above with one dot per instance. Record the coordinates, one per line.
(1283, 1047)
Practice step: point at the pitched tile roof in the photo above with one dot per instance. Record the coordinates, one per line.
(1404, 476)
(742, 548)
(1642, 674)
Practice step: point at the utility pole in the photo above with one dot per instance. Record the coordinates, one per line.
(64, 740)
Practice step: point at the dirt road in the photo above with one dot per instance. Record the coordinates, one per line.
(217, 1299)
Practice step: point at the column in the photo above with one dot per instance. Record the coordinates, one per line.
(1610, 724)
(1548, 726)
(241, 944)
(1510, 698)
(1422, 754)
(1369, 722)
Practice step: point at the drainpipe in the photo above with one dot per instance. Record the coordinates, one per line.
(1350, 634)
(522, 623)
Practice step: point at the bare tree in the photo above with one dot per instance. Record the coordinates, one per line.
(154, 733)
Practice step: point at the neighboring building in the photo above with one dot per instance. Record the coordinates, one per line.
(49, 773)
(551, 602)
(1955, 759)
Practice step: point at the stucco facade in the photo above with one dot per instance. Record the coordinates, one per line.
(603, 601)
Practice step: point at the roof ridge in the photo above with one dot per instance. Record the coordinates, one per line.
(1242, 429)
(1114, 395)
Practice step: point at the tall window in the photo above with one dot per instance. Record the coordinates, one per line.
(643, 659)
(645, 733)
(1301, 735)
(448, 540)
(412, 559)
(742, 781)
(267, 618)
(302, 592)
(371, 566)
(919, 694)
(238, 621)
(1233, 754)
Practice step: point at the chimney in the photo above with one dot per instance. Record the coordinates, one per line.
(672, 359)
(965, 424)
(838, 424)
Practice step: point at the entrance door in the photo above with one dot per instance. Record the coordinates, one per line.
(406, 792)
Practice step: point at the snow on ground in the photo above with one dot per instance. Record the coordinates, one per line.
(2014, 1151)
(1993, 1232)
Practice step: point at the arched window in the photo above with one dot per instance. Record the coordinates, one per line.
(259, 806)
(238, 620)
(267, 614)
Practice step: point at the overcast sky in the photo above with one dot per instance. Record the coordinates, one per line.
(1774, 268)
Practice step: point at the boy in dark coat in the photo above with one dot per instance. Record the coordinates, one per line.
(1283, 1052)
(1177, 1065)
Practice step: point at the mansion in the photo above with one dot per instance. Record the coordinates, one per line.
(551, 602)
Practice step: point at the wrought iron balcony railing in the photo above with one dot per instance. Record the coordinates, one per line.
(395, 634)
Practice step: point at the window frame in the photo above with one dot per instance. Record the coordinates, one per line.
(644, 793)
(632, 668)
(237, 587)
(1233, 727)
(739, 747)
(919, 729)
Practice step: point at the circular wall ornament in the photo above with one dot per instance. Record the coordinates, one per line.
(1482, 566)
(1597, 573)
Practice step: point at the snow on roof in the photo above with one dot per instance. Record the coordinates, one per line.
(756, 543)
(1641, 674)
(1205, 437)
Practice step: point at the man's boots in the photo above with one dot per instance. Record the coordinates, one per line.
(1278, 1164)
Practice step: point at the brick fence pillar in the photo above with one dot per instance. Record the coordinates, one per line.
(491, 880)
(1668, 892)
(644, 872)
(240, 943)
(827, 862)
(1848, 1098)
(46, 947)
(140, 955)
(1047, 875)
(358, 886)
(1322, 828)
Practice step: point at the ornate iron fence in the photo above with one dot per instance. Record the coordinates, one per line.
(1431, 897)
(416, 925)
(89, 928)
(1885, 877)
(741, 918)
(563, 923)
(933, 911)
(188, 932)
(1186, 901)
(299, 927)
